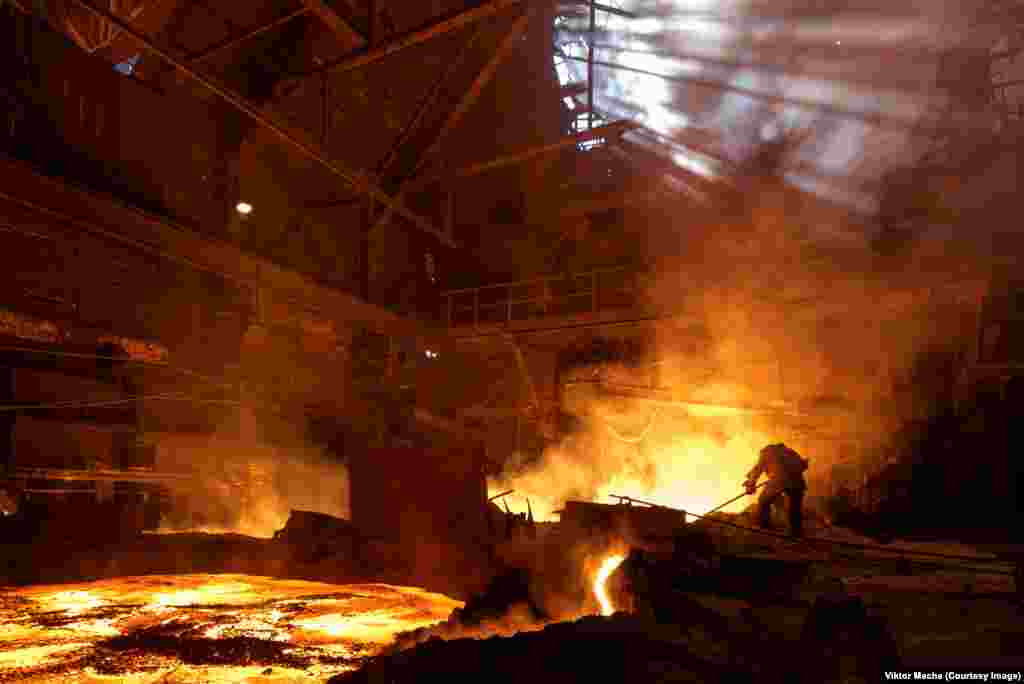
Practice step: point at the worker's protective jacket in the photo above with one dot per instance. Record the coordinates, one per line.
(783, 466)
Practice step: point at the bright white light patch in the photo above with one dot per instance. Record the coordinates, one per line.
(243, 208)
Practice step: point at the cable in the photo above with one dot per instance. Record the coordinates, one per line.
(76, 404)
(119, 359)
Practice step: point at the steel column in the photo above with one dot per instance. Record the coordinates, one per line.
(590, 65)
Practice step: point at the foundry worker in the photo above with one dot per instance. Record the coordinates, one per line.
(785, 470)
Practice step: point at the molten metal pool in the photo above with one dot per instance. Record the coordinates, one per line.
(203, 628)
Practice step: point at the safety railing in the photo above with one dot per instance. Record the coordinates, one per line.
(567, 295)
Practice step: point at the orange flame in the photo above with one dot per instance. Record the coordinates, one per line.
(608, 566)
(691, 472)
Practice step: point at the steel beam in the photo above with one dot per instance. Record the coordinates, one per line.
(611, 130)
(408, 40)
(485, 76)
(357, 180)
(350, 39)
(252, 33)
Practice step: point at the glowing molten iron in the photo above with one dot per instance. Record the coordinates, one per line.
(608, 566)
(203, 628)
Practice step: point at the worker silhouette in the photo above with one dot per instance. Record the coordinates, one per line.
(785, 470)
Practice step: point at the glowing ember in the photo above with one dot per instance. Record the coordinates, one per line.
(73, 602)
(608, 566)
(204, 628)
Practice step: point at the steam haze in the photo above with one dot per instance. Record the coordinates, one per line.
(249, 486)
(789, 322)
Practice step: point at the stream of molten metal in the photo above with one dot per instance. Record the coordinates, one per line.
(608, 566)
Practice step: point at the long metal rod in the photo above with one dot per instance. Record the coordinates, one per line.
(735, 498)
(355, 179)
(498, 496)
(232, 41)
(591, 37)
(236, 40)
(833, 542)
(609, 130)
(408, 40)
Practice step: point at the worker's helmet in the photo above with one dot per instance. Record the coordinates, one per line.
(773, 448)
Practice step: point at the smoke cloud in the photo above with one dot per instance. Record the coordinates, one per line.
(247, 485)
(775, 338)
(793, 318)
